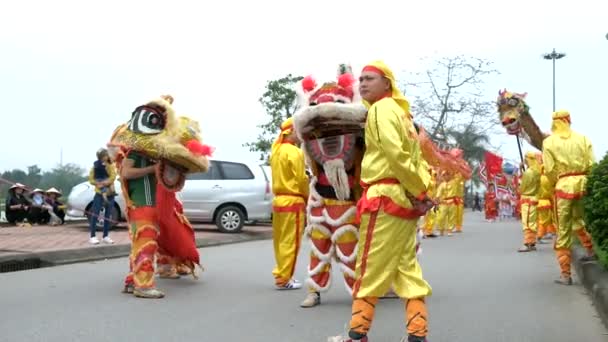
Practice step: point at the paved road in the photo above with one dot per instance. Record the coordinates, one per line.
(483, 292)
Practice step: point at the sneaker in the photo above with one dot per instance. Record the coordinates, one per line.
(94, 240)
(290, 285)
(564, 280)
(589, 258)
(312, 299)
(108, 240)
(526, 248)
(148, 293)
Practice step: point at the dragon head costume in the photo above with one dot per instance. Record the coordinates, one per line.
(514, 114)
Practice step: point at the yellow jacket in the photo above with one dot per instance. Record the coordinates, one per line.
(459, 184)
(545, 192)
(392, 152)
(289, 172)
(567, 159)
(530, 184)
(110, 168)
(432, 187)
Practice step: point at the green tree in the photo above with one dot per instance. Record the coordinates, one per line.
(279, 101)
(34, 175)
(63, 177)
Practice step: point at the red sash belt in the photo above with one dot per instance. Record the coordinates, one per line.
(297, 207)
(572, 174)
(529, 201)
(366, 205)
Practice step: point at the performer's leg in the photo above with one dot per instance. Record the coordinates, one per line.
(166, 265)
(346, 238)
(544, 217)
(451, 217)
(442, 218)
(416, 319)
(429, 223)
(563, 242)
(528, 222)
(578, 226)
(144, 247)
(319, 268)
(287, 228)
(459, 217)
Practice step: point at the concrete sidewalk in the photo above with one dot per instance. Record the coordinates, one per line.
(49, 246)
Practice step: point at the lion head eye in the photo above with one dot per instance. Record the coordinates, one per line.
(147, 120)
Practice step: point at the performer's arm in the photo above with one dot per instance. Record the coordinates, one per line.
(129, 171)
(92, 176)
(299, 170)
(549, 164)
(590, 157)
(397, 146)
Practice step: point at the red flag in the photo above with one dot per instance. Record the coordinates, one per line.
(493, 164)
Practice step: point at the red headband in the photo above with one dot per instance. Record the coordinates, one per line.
(374, 69)
(564, 118)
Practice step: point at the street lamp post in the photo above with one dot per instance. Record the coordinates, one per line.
(554, 56)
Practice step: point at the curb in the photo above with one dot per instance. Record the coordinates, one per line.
(595, 280)
(71, 256)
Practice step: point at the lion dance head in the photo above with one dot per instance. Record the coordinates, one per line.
(157, 132)
(330, 124)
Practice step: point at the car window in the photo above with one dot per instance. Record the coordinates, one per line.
(212, 173)
(236, 171)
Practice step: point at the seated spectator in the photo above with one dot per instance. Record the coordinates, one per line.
(52, 199)
(17, 206)
(39, 211)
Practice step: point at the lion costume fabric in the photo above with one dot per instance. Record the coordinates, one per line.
(161, 231)
(330, 123)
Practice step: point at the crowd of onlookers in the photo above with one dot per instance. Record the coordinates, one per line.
(23, 207)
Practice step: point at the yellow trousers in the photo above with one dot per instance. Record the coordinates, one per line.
(569, 221)
(545, 221)
(429, 222)
(446, 219)
(459, 215)
(288, 221)
(529, 221)
(387, 257)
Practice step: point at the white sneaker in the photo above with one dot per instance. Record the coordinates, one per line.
(94, 240)
(108, 240)
(291, 285)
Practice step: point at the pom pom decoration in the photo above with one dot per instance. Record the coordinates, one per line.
(197, 148)
(308, 83)
(346, 81)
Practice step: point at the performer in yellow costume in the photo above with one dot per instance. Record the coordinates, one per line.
(430, 218)
(529, 189)
(395, 182)
(568, 157)
(546, 228)
(448, 204)
(290, 189)
(459, 184)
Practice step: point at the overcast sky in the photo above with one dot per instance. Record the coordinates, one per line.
(70, 71)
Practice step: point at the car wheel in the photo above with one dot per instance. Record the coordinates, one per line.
(230, 220)
(99, 220)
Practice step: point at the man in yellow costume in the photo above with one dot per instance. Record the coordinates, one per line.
(430, 219)
(529, 189)
(568, 157)
(459, 192)
(395, 183)
(290, 189)
(446, 219)
(546, 227)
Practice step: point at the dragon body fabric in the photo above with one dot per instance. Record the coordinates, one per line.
(174, 144)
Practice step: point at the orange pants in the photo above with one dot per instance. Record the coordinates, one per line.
(143, 231)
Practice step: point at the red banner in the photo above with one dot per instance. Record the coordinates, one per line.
(493, 164)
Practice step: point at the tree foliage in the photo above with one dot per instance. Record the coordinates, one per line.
(279, 101)
(448, 96)
(596, 208)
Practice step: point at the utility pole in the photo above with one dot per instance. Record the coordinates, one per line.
(554, 56)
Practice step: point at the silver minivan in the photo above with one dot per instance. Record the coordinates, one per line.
(229, 194)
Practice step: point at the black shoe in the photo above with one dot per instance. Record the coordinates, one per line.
(413, 338)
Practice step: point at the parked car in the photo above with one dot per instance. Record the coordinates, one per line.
(228, 194)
